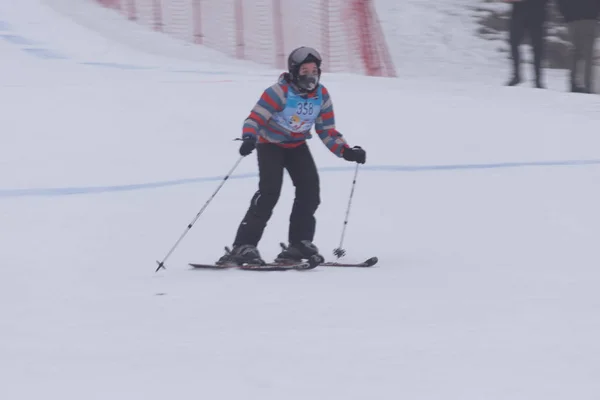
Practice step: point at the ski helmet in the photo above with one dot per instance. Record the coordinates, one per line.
(299, 56)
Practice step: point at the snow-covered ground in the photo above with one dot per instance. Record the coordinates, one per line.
(479, 200)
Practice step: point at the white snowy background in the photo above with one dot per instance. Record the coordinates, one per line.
(480, 201)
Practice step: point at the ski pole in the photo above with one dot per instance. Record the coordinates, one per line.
(161, 264)
(340, 252)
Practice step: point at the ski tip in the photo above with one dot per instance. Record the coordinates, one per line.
(371, 261)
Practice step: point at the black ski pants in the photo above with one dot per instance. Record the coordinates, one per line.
(528, 17)
(272, 161)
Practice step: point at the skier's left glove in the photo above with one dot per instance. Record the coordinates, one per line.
(355, 153)
(248, 144)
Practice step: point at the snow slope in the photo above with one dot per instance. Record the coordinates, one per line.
(480, 201)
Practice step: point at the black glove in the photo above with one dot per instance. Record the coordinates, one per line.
(355, 154)
(248, 144)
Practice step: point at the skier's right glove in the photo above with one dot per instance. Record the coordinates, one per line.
(248, 144)
(355, 153)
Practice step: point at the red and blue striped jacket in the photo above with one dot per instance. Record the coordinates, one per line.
(262, 123)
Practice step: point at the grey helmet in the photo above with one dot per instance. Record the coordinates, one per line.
(299, 56)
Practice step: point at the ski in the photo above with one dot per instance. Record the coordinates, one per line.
(365, 264)
(273, 266)
(281, 265)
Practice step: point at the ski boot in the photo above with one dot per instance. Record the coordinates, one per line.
(240, 255)
(297, 252)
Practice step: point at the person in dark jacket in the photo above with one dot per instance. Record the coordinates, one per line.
(581, 17)
(527, 16)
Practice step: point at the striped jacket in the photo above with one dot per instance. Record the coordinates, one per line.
(260, 123)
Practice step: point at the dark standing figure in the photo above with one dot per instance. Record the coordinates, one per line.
(527, 16)
(581, 17)
(278, 127)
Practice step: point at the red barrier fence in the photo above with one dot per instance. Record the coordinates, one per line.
(347, 33)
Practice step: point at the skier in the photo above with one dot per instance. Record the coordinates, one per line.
(278, 127)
